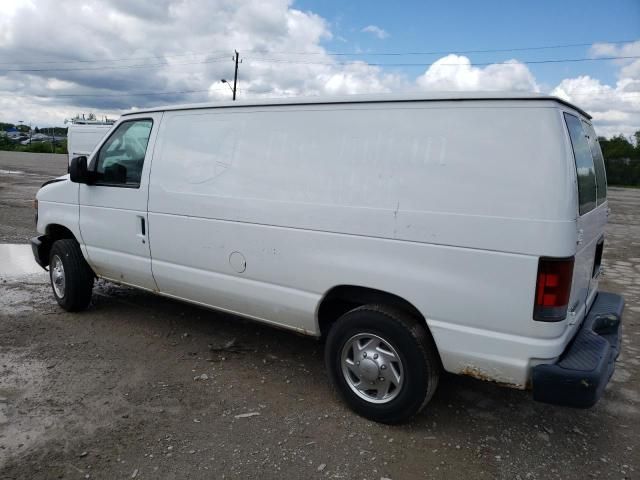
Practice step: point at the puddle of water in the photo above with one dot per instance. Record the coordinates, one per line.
(17, 262)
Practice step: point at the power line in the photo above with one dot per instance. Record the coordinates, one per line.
(126, 94)
(112, 67)
(329, 53)
(276, 60)
(445, 52)
(598, 94)
(125, 59)
(422, 64)
(181, 92)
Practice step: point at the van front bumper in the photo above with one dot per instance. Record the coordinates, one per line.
(40, 247)
(582, 372)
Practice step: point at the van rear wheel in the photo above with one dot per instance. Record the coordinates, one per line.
(383, 362)
(70, 275)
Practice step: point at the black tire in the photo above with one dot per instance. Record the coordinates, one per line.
(75, 295)
(413, 344)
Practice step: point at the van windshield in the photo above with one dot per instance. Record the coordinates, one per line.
(584, 164)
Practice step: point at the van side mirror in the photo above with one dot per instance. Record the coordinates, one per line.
(78, 171)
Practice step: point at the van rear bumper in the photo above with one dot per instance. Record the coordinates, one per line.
(582, 372)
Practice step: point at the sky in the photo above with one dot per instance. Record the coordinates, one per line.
(58, 59)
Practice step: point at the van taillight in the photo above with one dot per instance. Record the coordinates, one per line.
(553, 287)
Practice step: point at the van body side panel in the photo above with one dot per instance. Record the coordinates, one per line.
(422, 201)
(289, 270)
(432, 174)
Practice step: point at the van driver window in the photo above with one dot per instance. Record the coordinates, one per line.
(121, 158)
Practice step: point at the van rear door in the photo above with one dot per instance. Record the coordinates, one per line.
(592, 212)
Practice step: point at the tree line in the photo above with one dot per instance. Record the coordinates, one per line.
(60, 145)
(622, 160)
(57, 131)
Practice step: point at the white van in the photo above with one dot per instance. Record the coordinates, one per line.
(414, 234)
(83, 137)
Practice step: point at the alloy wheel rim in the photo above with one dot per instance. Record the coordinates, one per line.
(57, 276)
(372, 368)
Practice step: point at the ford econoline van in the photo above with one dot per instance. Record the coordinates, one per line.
(413, 234)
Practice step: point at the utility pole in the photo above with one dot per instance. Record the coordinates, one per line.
(235, 58)
(235, 76)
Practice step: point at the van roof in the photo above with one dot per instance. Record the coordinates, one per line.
(368, 98)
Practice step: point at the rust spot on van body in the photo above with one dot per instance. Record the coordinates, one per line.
(475, 372)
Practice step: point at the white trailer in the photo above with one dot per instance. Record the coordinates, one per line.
(83, 136)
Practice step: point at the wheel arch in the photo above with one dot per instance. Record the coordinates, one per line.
(343, 298)
(53, 232)
(56, 231)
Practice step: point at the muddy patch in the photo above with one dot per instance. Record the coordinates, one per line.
(21, 378)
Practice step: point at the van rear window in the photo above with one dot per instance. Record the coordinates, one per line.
(584, 164)
(598, 162)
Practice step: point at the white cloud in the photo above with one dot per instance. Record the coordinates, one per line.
(377, 31)
(615, 108)
(38, 112)
(626, 49)
(358, 78)
(603, 50)
(630, 67)
(198, 47)
(165, 31)
(455, 72)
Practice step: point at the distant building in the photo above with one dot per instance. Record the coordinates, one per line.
(13, 133)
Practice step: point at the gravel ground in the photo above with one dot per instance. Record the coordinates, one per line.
(140, 386)
(21, 175)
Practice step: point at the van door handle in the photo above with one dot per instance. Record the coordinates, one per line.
(143, 229)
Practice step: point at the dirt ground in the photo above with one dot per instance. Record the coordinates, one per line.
(140, 386)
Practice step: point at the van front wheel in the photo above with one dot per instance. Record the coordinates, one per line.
(71, 277)
(383, 362)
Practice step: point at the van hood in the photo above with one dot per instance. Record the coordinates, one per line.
(59, 190)
(54, 180)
